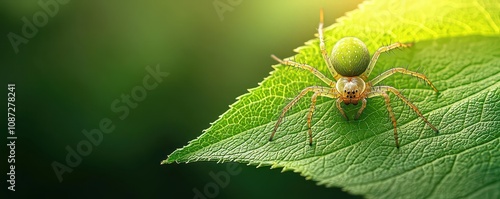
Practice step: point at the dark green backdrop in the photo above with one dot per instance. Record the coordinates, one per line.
(86, 55)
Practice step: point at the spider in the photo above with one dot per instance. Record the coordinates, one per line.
(350, 66)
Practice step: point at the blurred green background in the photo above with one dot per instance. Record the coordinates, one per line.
(90, 53)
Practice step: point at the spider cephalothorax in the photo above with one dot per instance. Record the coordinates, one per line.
(352, 89)
(350, 65)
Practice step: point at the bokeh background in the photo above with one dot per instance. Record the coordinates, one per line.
(93, 52)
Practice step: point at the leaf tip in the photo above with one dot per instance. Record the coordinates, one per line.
(164, 162)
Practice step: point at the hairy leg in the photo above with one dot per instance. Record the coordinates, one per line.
(310, 114)
(403, 71)
(403, 98)
(318, 90)
(340, 108)
(306, 67)
(363, 106)
(374, 59)
(322, 47)
(389, 109)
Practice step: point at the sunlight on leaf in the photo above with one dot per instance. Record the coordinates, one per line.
(457, 45)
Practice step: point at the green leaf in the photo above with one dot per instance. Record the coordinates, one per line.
(457, 45)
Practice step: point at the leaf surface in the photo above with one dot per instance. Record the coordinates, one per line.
(457, 46)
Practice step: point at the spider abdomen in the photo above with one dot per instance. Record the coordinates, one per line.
(350, 57)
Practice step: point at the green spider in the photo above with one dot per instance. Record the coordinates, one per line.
(351, 66)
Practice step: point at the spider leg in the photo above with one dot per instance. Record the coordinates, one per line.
(374, 59)
(323, 48)
(403, 71)
(306, 67)
(313, 107)
(310, 114)
(363, 106)
(403, 98)
(389, 109)
(318, 90)
(340, 108)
